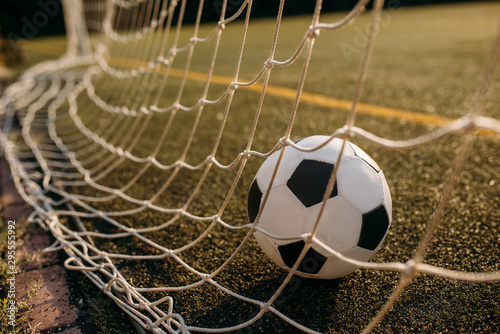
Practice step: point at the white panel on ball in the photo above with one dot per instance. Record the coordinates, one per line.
(328, 153)
(335, 267)
(362, 154)
(339, 226)
(289, 162)
(283, 214)
(359, 184)
(269, 248)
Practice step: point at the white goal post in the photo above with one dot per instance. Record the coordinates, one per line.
(135, 150)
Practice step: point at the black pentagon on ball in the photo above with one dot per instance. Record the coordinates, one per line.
(254, 197)
(309, 180)
(374, 227)
(311, 263)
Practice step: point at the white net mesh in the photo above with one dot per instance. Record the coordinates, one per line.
(149, 146)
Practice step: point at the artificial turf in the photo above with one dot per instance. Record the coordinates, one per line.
(427, 60)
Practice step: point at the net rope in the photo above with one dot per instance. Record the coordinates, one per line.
(62, 146)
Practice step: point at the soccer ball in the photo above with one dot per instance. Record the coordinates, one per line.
(356, 217)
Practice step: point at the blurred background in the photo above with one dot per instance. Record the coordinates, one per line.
(32, 18)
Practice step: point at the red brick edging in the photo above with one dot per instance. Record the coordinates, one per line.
(50, 306)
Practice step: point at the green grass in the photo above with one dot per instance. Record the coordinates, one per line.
(427, 60)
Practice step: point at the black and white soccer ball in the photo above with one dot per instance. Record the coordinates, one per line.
(355, 220)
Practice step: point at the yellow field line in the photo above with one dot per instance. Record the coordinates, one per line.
(289, 93)
(284, 92)
(42, 48)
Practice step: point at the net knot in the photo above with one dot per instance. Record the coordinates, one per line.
(470, 124)
(269, 63)
(102, 49)
(145, 110)
(246, 154)
(221, 26)
(345, 132)
(162, 60)
(264, 307)
(313, 32)
(308, 238)
(130, 112)
(283, 141)
(149, 324)
(410, 269)
(233, 86)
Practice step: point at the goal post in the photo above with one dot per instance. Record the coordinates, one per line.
(76, 29)
(139, 159)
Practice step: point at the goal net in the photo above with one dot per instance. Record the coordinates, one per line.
(136, 150)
